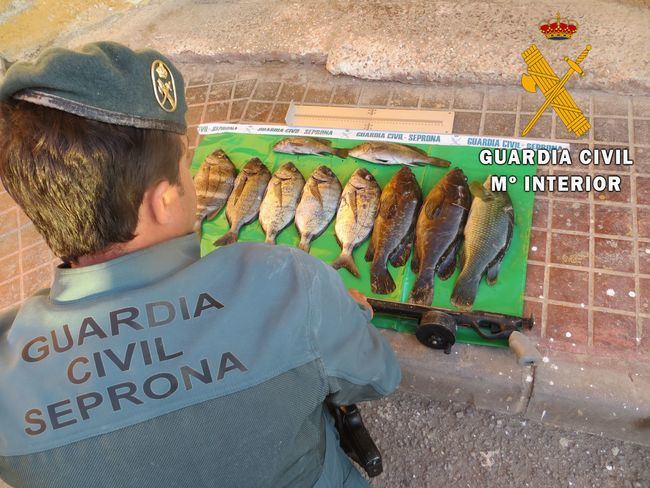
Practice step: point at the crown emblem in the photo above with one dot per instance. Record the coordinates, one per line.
(558, 29)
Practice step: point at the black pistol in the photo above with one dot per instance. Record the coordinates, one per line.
(355, 438)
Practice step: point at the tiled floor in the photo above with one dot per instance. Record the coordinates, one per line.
(588, 279)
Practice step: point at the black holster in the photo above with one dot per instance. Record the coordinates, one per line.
(355, 438)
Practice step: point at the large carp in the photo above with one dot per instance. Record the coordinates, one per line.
(487, 236)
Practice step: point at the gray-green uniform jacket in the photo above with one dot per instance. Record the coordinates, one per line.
(157, 369)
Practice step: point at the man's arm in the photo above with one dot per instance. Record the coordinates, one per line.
(358, 362)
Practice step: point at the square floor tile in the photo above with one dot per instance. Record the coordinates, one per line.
(614, 292)
(568, 285)
(614, 255)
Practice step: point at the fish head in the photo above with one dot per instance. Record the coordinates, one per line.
(253, 166)
(285, 145)
(287, 171)
(361, 178)
(455, 177)
(405, 175)
(323, 173)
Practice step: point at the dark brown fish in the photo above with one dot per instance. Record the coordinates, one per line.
(392, 235)
(487, 236)
(213, 182)
(244, 202)
(439, 233)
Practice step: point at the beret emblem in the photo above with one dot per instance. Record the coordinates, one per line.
(164, 87)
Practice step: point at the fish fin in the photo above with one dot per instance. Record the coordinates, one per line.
(305, 242)
(442, 163)
(213, 214)
(493, 270)
(461, 256)
(416, 149)
(239, 187)
(327, 142)
(433, 206)
(380, 280)
(316, 192)
(370, 253)
(341, 153)
(479, 191)
(381, 161)
(415, 262)
(422, 292)
(465, 291)
(228, 238)
(277, 191)
(402, 252)
(352, 203)
(447, 265)
(346, 261)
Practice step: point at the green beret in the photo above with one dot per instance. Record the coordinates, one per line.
(103, 81)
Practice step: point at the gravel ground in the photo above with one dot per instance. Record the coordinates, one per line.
(428, 444)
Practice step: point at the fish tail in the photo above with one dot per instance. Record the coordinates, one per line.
(270, 238)
(422, 292)
(197, 226)
(443, 163)
(380, 280)
(305, 243)
(228, 238)
(465, 290)
(346, 261)
(341, 153)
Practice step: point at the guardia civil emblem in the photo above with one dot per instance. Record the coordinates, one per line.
(164, 86)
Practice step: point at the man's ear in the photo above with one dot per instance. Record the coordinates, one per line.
(159, 200)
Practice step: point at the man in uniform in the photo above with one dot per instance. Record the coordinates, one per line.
(143, 365)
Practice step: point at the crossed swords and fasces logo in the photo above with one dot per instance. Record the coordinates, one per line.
(540, 74)
(164, 86)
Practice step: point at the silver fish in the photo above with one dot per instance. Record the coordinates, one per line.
(317, 206)
(392, 153)
(244, 201)
(214, 182)
(487, 236)
(308, 145)
(355, 217)
(279, 204)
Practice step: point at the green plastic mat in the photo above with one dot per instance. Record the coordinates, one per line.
(506, 296)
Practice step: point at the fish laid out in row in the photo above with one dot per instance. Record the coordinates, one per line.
(448, 224)
(373, 152)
